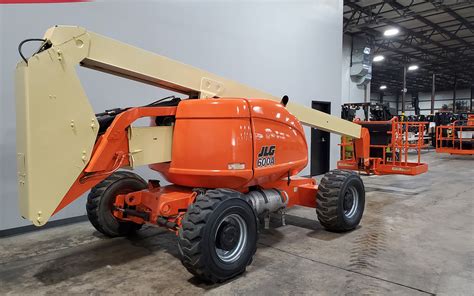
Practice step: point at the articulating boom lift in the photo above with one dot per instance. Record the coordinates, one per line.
(456, 138)
(389, 148)
(231, 160)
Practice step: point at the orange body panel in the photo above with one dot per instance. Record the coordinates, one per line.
(273, 125)
(217, 143)
(224, 143)
(209, 137)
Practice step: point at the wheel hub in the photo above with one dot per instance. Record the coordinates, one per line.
(228, 236)
(231, 238)
(350, 202)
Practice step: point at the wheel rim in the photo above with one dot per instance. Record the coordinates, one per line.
(351, 202)
(231, 238)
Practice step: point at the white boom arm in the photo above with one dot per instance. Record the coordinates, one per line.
(118, 58)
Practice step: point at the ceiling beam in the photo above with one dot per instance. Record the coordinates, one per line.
(454, 14)
(394, 24)
(415, 45)
(422, 19)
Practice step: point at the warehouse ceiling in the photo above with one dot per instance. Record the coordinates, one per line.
(436, 35)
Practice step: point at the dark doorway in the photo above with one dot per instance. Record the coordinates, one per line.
(320, 143)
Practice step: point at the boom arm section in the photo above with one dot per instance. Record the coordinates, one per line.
(118, 58)
(57, 128)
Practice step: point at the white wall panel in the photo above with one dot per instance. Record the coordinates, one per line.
(282, 47)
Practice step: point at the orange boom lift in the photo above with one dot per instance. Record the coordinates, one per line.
(388, 150)
(457, 137)
(231, 153)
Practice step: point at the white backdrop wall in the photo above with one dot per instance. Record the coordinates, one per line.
(282, 47)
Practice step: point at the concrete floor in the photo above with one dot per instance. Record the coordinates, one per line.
(416, 238)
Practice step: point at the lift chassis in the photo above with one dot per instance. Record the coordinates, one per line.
(232, 153)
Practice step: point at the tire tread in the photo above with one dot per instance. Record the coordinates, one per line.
(191, 233)
(327, 200)
(95, 196)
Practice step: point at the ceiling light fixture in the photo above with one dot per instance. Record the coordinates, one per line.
(378, 58)
(382, 87)
(391, 32)
(412, 67)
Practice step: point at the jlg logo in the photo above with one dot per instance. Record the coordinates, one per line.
(266, 156)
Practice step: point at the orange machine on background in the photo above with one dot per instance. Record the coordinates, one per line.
(457, 137)
(387, 150)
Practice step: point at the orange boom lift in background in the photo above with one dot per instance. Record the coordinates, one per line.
(388, 150)
(457, 137)
(231, 153)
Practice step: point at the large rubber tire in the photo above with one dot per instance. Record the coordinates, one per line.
(100, 202)
(203, 228)
(335, 211)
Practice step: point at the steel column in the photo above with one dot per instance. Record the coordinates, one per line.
(454, 92)
(397, 98)
(472, 95)
(433, 90)
(404, 90)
